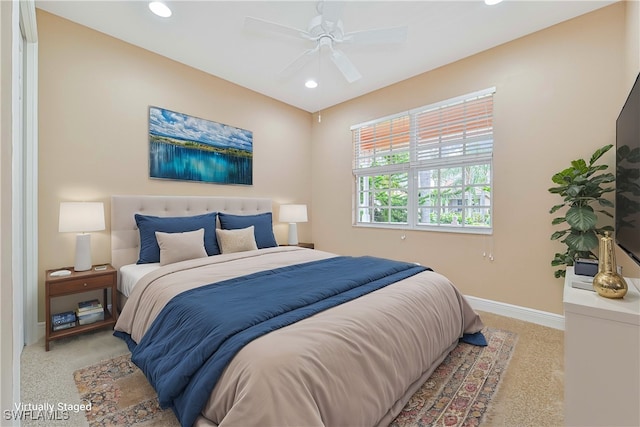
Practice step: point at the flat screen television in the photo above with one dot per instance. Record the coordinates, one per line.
(627, 201)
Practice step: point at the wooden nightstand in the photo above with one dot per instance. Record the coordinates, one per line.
(303, 245)
(75, 283)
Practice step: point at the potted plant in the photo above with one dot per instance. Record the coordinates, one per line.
(582, 187)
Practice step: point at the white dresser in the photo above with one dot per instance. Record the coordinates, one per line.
(601, 357)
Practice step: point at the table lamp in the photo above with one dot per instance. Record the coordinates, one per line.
(81, 217)
(293, 214)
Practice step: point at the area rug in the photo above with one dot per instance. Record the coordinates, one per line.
(459, 391)
(457, 394)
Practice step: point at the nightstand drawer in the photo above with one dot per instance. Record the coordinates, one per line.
(79, 285)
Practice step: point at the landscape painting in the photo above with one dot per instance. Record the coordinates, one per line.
(188, 148)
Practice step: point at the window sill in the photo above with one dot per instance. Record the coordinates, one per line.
(437, 229)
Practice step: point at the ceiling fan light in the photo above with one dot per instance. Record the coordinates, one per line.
(311, 84)
(160, 9)
(492, 2)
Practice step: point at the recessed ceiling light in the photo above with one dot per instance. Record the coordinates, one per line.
(311, 84)
(160, 9)
(492, 2)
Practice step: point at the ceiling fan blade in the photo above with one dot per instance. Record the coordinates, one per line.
(331, 12)
(346, 67)
(303, 59)
(262, 26)
(378, 36)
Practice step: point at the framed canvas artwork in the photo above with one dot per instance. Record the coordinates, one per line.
(188, 148)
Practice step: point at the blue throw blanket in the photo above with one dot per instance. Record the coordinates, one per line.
(199, 331)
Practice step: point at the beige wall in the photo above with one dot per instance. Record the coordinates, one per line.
(558, 94)
(95, 92)
(632, 41)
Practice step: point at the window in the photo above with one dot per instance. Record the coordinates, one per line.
(428, 168)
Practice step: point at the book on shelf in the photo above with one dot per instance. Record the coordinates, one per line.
(61, 318)
(62, 326)
(85, 319)
(88, 306)
(91, 311)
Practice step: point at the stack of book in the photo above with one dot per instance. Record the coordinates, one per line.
(89, 312)
(60, 321)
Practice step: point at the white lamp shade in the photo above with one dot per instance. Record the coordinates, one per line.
(293, 213)
(81, 217)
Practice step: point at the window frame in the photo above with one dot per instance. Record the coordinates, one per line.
(480, 148)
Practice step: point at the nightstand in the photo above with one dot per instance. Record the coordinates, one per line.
(303, 245)
(76, 283)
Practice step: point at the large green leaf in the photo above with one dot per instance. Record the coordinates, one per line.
(582, 242)
(574, 190)
(564, 177)
(603, 179)
(581, 218)
(599, 152)
(579, 166)
(580, 180)
(594, 169)
(605, 202)
(558, 220)
(557, 190)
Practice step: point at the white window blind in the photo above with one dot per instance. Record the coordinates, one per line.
(457, 131)
(383, 144)
(427, 167)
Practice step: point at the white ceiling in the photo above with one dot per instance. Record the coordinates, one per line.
(210, 36)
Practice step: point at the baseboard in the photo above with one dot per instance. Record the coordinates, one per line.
(41, 326)
(543, 318)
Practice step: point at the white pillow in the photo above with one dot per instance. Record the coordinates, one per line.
(239, 240)
(176, 247)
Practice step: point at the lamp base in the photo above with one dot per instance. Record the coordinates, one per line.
(83, 252)
(293, 234)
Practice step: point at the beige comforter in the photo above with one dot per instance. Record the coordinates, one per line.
(352, 365)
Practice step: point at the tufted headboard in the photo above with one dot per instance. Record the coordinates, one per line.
(125, 239)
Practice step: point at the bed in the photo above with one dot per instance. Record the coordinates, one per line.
(352, 353)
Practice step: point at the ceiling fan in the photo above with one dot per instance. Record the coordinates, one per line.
(326, 31)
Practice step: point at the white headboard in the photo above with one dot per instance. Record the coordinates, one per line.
(125, 239)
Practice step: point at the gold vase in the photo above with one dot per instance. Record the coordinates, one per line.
(608, 283)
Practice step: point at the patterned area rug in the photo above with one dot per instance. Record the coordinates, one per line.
(458, 393)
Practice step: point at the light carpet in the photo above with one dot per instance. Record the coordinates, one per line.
(458, 393)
